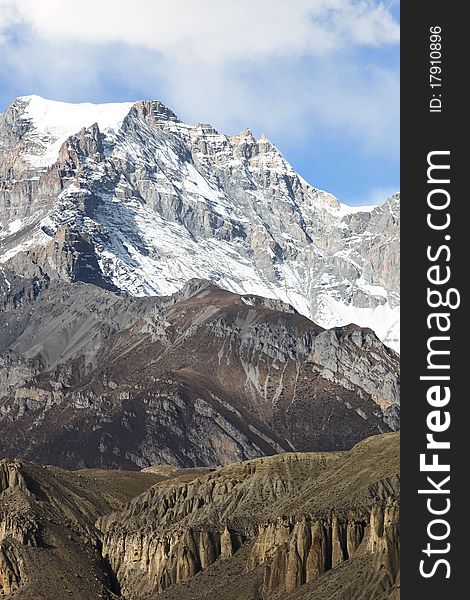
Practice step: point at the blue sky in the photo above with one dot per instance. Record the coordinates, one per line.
(319, 77)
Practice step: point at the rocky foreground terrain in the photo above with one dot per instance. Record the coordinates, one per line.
(313, 526)
(205, 377)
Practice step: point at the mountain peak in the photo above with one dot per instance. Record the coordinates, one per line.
(245, 135)
(154, 111)
(44, 111)
(46, 124)
(158, 202)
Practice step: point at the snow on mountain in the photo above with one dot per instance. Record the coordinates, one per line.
(128, 195)
(53, 122)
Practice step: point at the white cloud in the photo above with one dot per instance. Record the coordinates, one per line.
(213, 31)
(334, 98)
(8, 16)
(288, 67)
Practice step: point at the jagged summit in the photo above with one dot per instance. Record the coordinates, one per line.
(128, 195)
(53, 121)
(154, 111)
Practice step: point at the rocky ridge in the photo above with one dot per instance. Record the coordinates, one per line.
(129, 197)
(49, 545)
(289, 526)
(201, 378)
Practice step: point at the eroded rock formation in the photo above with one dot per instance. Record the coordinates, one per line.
(295, 525)
(294, 517)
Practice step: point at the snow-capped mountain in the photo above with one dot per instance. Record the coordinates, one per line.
(129, 197)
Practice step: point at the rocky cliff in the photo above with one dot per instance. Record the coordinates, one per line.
(296, 525)
(49, 545)
(128, 197)
(282, 522)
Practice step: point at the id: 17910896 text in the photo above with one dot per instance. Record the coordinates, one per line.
(435, 68)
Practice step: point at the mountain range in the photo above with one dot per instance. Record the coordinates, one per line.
(199, 377)
(174, 295)
(128, 197)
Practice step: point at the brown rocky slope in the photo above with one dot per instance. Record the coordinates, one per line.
(274, 525)
(49, 545)
(90, 378)
(322, 526)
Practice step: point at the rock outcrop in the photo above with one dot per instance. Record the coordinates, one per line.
(290, 526)
(49, 545)
(286, 522)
